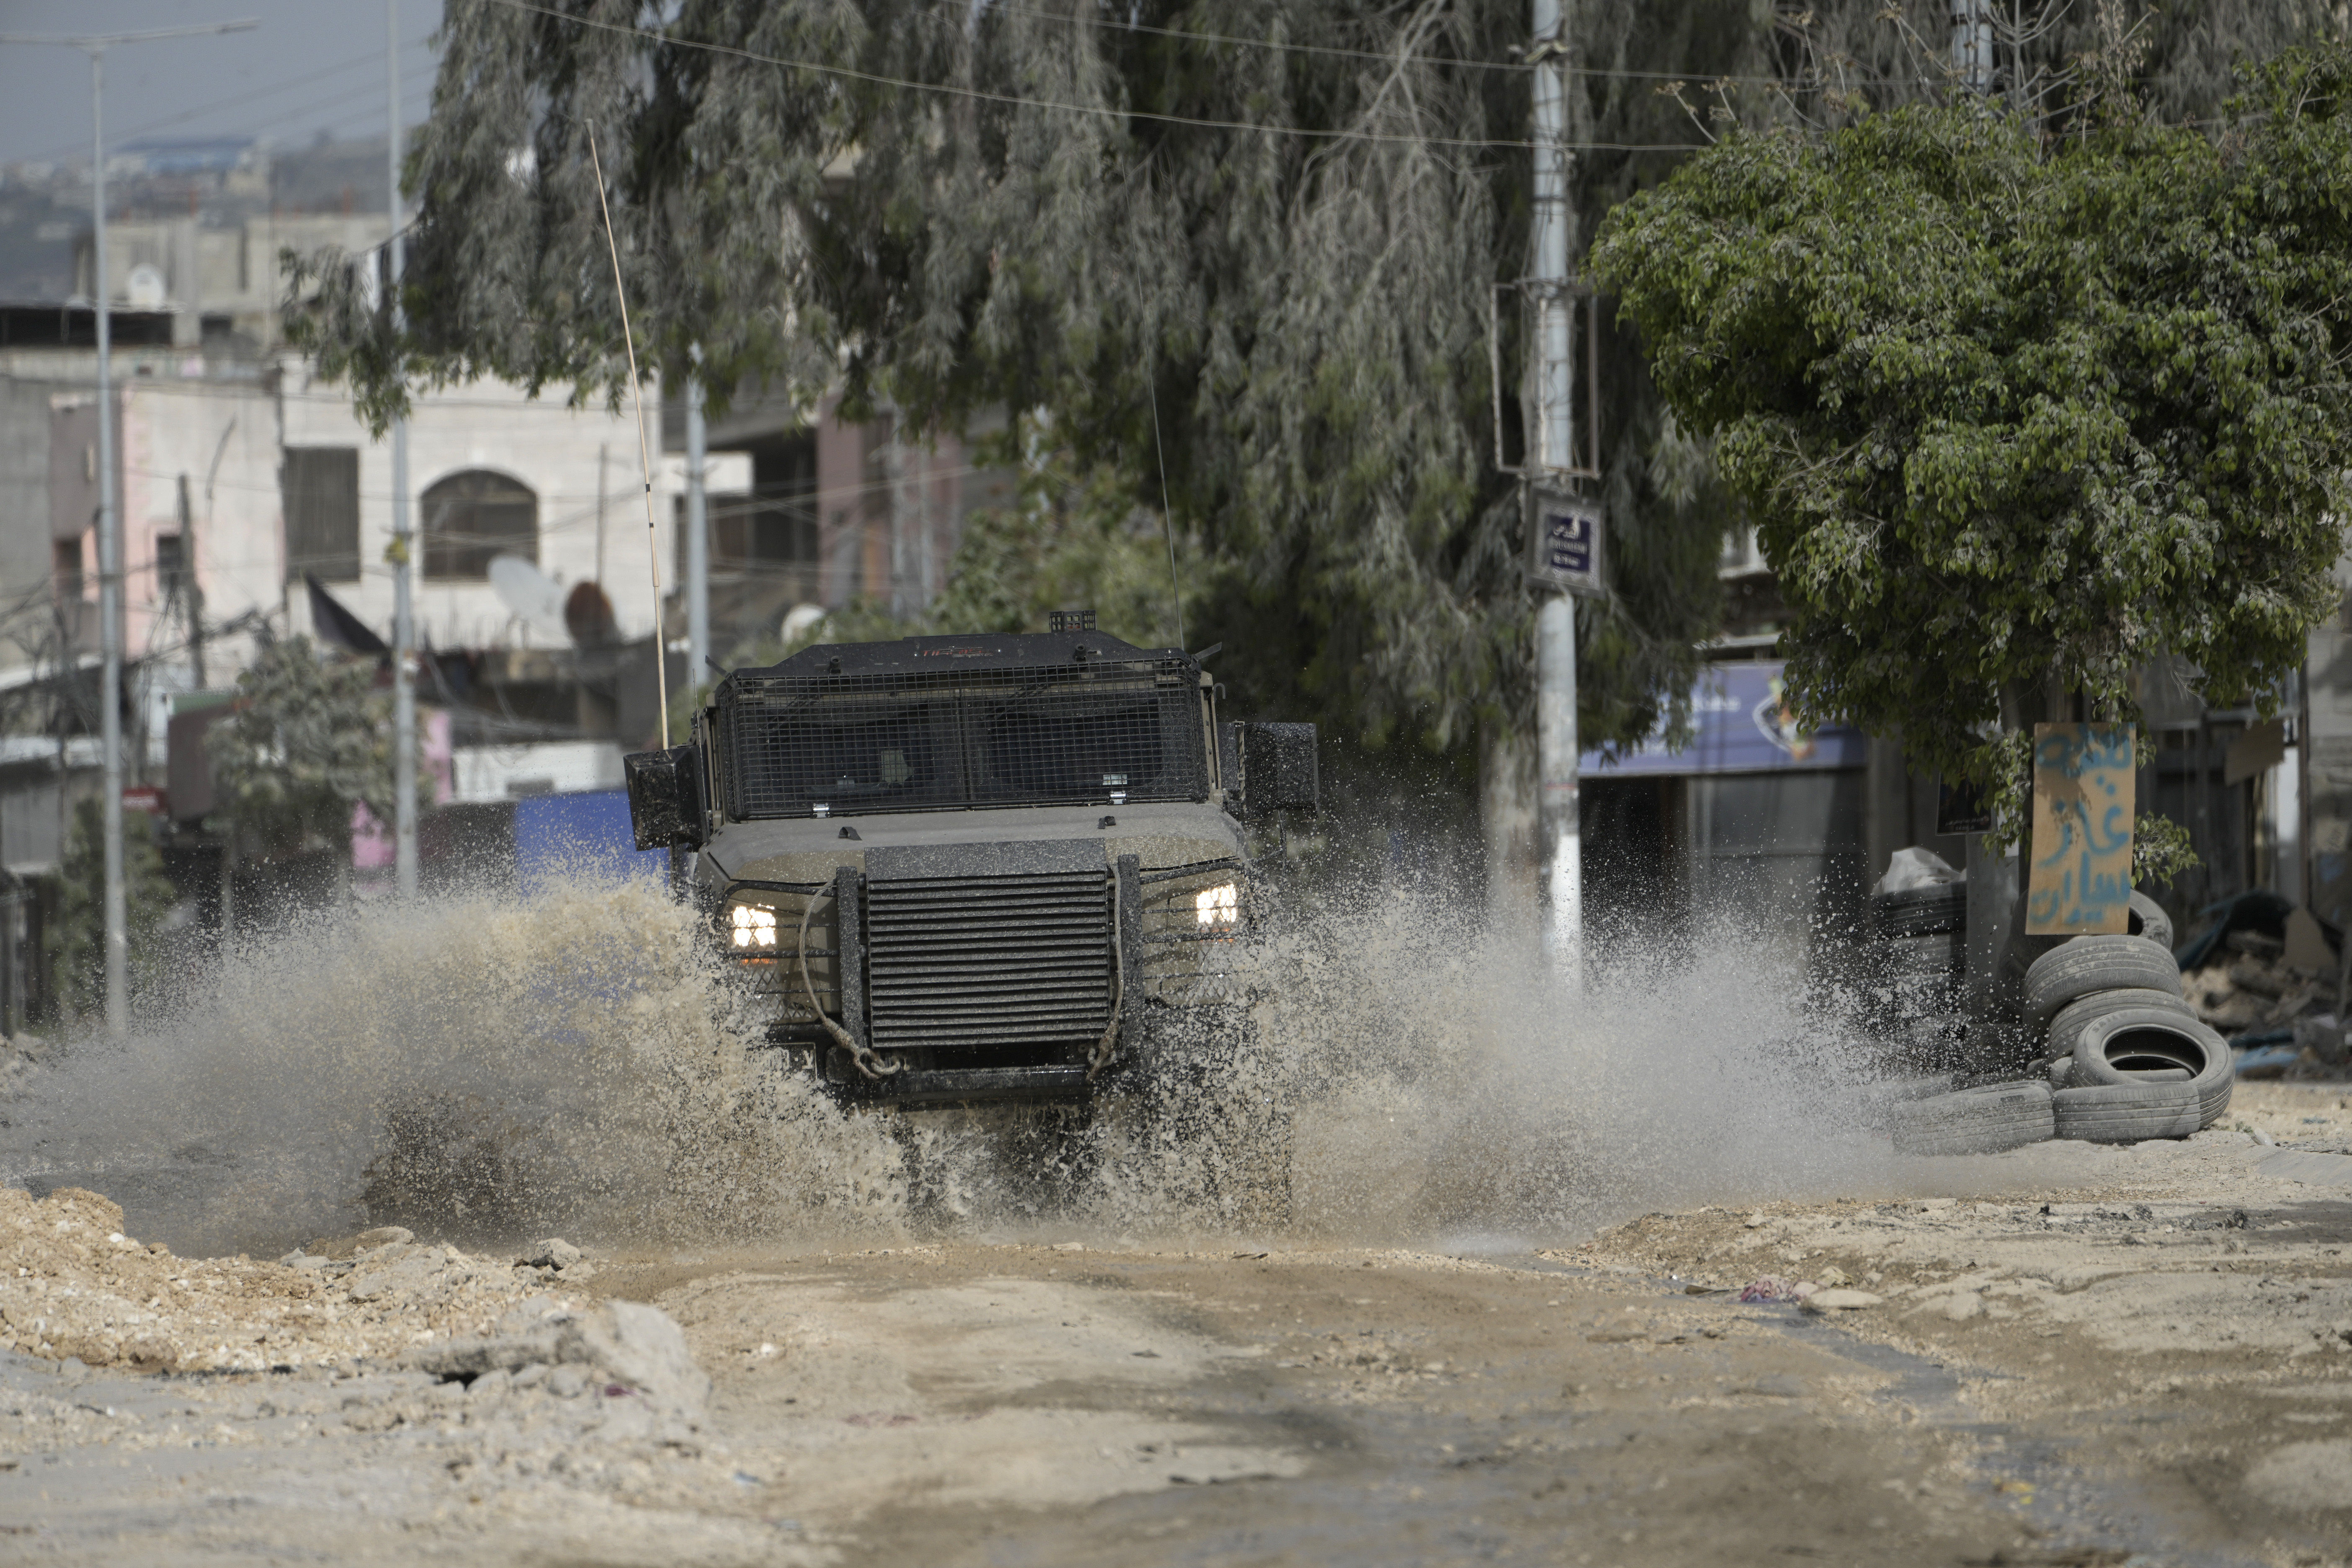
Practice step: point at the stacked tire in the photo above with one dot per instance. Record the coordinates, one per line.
(2126, 1058)
(1919, 949)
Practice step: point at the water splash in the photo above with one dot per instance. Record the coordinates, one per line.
(485, 1065)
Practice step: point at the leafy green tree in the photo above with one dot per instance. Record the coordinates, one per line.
(306, 740)
(1262, 239)
(2015, 414)
(77, 941)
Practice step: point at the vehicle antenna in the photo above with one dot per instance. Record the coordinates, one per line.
(645, 458)
(1167, 517)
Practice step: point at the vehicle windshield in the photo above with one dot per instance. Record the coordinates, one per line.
(930, 742)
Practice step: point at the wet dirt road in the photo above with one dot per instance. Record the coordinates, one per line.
(974, 1405)
(2091, 1356)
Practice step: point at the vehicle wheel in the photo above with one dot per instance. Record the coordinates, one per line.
(2126, 1112)
(2137, 1044)
(2067, 1027)
(2089, 963)
(2149, 920)
(1975, 1120)
(1213, 1127)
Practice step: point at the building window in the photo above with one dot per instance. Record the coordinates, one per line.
(170, 569)
(67, 557)
(322, 487)
(470, 517)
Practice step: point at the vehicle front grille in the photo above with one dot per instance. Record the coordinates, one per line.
(989, 963)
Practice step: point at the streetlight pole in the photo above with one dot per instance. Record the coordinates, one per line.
(109, 517)
(404, 619)
(698, 528)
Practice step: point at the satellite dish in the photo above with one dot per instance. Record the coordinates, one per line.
(588, 613)
(144, 287)
(524, 589)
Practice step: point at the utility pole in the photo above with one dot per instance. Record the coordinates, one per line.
(698, 528)
(603, 450)
(1972, 39)
(109, 518)
(403, 614)
(188, 561)
(894, 472)
(1558, 830)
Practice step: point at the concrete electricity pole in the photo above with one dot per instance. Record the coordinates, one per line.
(1556, 748)
(404, 617)
(1972, 38)
(698, 529)
(110, 520)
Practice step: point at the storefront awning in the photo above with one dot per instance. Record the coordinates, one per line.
(1740, 725)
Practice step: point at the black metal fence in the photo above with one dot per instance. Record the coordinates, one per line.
(1105, 731)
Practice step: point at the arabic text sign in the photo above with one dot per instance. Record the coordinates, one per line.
(1563, 540)
(2081, 878)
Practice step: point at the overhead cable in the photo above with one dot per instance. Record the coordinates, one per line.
(1103, 111)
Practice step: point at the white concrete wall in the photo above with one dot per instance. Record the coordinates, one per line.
(175, 425)
(176, 409)
(549, 446)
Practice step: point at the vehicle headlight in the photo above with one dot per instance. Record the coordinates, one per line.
(1219, 906)
(753, 926)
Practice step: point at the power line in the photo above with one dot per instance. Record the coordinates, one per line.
(1460, 62)
(1100, 111)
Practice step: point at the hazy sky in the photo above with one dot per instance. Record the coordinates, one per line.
(311, 65)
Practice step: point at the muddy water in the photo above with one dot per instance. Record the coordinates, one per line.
(489, 1065)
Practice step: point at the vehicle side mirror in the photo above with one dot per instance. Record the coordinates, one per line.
(666, 797)
(1275, 767)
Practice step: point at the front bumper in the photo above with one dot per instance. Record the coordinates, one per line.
(1158, 953)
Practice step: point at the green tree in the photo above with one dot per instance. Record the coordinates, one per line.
(2015, 414)
(77, 939)
(307, 739)
(1261, 238)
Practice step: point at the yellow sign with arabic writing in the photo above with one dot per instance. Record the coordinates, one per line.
(2083, 789)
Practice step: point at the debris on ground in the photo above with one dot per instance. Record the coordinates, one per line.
(73, 1286)
(1771, 1288)
(2247, 985)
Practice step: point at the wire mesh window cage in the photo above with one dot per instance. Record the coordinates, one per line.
(1040, 735)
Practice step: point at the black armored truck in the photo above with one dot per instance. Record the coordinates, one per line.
(975, 868)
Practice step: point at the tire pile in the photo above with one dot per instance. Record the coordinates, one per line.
(1921, 950)
(2125, 1058)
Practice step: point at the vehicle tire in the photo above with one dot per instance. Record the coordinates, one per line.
(1878, 1102)
(2089, 963)
(1921, 911)
(2135, 1044)
(1923, 957)
(1975, 1120)
(2126, 1112)
(2149, 920)
(2067, 1027)
(1211, 1121)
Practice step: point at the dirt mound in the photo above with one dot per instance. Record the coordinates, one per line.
(73, 1285)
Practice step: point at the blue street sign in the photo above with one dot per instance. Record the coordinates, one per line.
(1563, 542)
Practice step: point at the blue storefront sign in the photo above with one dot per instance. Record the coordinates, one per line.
(1741, 723)
(557, 837)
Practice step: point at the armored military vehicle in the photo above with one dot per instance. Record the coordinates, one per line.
(976, 868)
